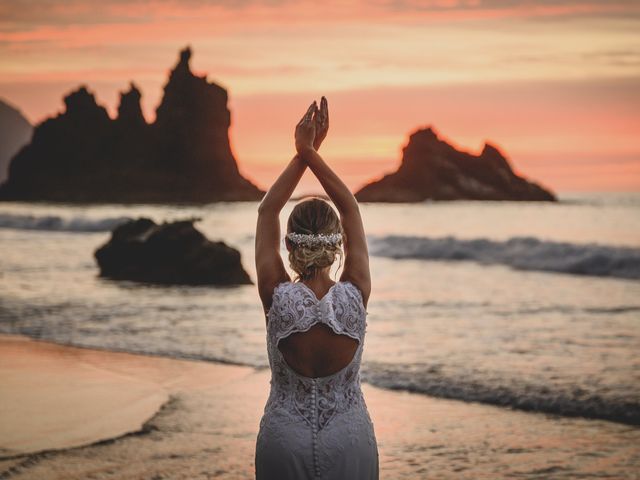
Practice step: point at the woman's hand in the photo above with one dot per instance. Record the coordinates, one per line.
(322, 123)
(306, 129)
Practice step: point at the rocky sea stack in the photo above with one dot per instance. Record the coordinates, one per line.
(15, 132)
(82, 155)
(169, 253)
(431, 169)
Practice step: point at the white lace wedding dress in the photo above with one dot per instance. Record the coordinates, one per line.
(315, 428)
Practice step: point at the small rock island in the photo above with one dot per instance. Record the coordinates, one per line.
(169, 253)
(432, 169)
(15, 132)
(84, 156)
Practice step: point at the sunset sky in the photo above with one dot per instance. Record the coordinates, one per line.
(554, 84)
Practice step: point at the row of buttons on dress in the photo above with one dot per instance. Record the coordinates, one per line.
(314, 428)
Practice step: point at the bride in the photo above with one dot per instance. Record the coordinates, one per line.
(315, 422)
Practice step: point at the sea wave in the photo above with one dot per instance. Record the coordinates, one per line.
(522, 253)
(58, 223)
(583, 397)
(577, 400)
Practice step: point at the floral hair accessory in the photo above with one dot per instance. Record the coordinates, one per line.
(315, 239)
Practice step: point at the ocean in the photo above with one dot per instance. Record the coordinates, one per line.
(524, 305)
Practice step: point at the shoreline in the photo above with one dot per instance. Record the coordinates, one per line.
(68, 412)
(479, 396)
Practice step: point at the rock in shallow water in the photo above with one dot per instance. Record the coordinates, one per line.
(169, 253)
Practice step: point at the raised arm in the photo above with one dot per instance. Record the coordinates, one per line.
(356, 265)
(269, 265)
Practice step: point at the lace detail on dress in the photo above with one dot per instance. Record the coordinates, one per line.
(295, 308)
(315, 403)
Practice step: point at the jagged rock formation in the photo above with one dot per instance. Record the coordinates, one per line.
(169, 253)
(15, 132)
(431, 169)
(82, 155)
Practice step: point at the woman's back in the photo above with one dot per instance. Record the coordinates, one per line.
(316, 426)
(319, 352)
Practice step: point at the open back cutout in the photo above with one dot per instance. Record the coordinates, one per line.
(318, 352)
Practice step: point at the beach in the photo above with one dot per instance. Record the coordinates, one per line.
(522, 309)
(505, 347)
(482, 161)
(77, 413)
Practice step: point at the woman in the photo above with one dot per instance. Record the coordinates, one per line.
(315, 422)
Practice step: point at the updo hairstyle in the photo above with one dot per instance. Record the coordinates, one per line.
(313, 216)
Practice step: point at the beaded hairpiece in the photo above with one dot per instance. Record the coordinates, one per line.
(315, 239)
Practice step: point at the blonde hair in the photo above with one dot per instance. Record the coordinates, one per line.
(313, 216)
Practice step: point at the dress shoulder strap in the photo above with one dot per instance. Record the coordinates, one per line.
(295, 308)
(290, 311)
(349, 315)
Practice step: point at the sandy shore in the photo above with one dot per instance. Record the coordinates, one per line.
(72, 413)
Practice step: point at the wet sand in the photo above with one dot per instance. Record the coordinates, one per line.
(73, 413)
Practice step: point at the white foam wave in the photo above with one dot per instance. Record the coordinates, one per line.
(524, 253)
(58, 223)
